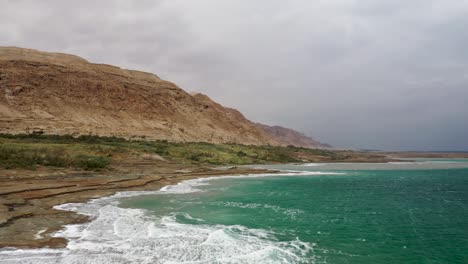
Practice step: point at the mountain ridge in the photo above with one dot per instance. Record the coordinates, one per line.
(57, 93)
(289, 136)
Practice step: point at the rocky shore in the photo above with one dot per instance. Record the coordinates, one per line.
(27, 198)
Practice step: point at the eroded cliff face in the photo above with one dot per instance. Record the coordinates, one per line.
(56, 93)
(287, 136)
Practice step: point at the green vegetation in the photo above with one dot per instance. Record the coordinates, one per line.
(94, 153)
(21, 155)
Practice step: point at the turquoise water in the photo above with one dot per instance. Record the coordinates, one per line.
(398, 213)
(403, 212)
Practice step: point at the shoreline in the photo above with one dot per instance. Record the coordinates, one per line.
(130, 233)
(27, 198)
(31, 216)
(87, 235)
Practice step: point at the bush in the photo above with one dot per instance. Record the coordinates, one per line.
(18, 156)
(94, 152)
(29, 156)
(241, 153)
(88, 162)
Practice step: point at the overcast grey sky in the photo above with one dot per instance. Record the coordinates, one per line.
(374, 74)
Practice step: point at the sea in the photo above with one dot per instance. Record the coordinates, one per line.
(401, 212)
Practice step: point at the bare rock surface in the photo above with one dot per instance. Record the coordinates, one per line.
(287, 136)
(56, 93)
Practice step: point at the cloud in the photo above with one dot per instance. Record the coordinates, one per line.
(368, 73)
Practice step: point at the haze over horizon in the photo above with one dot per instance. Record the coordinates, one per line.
(369, 74)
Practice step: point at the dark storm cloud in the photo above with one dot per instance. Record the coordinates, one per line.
(367, 73)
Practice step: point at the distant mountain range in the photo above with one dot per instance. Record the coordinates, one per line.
(56, 93)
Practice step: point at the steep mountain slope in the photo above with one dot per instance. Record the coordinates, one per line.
(288, 136)
(56, 93)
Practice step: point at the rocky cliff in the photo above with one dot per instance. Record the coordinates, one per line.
(55, 93)
(287, 136)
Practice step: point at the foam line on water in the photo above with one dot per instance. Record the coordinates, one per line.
(312, 164)
(125, 235)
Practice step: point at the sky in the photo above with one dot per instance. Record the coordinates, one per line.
(368, 74)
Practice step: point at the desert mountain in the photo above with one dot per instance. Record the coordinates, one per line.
(55, 93)
(288, 136)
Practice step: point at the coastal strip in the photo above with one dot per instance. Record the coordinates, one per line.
(28, 217)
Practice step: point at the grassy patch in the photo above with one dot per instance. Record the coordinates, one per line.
(93, 152)
(20, 155)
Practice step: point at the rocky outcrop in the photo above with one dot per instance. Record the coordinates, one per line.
(55, 93)
(288, 136)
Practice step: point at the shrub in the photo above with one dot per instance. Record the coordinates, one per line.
(241, 153)
(88, 162)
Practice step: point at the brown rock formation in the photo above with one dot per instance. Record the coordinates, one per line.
(55, 93)
(288, 136)
(63, 94)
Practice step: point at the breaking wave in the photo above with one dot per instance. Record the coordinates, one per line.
(125, 235)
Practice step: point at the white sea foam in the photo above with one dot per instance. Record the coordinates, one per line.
(312, 164)
(124, 235)
(288, 212)
(38, 235)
